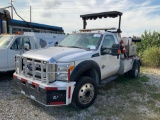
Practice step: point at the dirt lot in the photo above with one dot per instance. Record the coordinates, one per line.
(122, 99)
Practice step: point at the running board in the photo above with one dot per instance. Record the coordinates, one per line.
(107, 80)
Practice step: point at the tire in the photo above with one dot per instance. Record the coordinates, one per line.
(85, 92)
(126, 74)
(135, 71)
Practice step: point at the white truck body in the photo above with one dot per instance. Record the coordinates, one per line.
(72, 71)
(11, 45)
(39, 65)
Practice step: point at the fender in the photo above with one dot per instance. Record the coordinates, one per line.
(84, 66)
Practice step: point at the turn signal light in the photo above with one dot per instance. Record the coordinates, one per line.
(19, 33)
(71, 68)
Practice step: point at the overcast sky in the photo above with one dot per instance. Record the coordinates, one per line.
(138, 15)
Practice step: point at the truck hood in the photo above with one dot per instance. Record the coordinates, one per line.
(59, 54)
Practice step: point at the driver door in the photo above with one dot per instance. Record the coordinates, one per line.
(109, 64)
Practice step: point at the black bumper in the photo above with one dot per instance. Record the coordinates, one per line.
(46, 97)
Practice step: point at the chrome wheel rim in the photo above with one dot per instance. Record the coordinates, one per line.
(86, 93)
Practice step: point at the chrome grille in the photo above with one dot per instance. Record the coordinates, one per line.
(36, 69)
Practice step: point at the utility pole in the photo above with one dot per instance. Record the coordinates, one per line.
(11, 9)
(30, 14)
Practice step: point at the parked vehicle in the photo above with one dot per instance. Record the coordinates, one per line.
(12, 26)
(11, 45)
(72, 71)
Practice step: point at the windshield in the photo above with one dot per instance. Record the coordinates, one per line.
(81, 40)
(4, 41)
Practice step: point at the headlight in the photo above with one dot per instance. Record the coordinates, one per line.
(63, 71)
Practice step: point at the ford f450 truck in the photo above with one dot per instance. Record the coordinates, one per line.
(72, 71)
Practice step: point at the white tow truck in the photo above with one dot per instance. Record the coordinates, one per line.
(72, 71)
(11, 45)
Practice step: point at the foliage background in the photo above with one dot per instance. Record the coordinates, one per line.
(149, 49)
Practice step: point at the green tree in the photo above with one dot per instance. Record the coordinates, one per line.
(151, 57)
(148, 40)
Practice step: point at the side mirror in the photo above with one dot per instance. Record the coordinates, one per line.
(105, 50)
(56, 43)
(26, 46)
(115, 51)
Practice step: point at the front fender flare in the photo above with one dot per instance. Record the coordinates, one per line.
(84, 66)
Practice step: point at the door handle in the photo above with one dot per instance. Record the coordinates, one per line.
(103, 66)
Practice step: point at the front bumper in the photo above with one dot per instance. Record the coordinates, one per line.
(56, 93)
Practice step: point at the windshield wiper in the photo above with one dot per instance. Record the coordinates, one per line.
(87, 49)
(75, 47)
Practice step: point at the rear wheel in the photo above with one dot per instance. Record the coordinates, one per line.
(85, 92)
(135, 71)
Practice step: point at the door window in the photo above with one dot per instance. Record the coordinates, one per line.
(27, 40)
(19, 43)
(107, 43)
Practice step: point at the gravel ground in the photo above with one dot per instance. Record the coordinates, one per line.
(112, 106)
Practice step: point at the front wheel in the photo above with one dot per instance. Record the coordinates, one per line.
(85, 92)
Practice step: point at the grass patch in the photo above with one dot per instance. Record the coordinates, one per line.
(107, 87)
(151, 89)
(151, 104)
(144, 78)
(155, 96)
(129, 85)
(157, 109)
(124, 86)
(143, 69)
